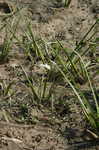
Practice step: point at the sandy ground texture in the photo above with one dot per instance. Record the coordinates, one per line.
(50, 21)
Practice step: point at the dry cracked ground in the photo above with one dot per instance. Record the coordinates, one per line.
(23, 125)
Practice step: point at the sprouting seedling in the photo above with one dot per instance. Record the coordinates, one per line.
(6, 89)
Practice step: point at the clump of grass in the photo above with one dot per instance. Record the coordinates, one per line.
(10, 31)
(4, 49)
(6, 94)
(31, 46)
(76, 67)
(40, 92)
(73, 68)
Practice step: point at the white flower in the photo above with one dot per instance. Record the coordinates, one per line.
(45, 66)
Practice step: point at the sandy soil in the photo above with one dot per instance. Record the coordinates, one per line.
(50, 21)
